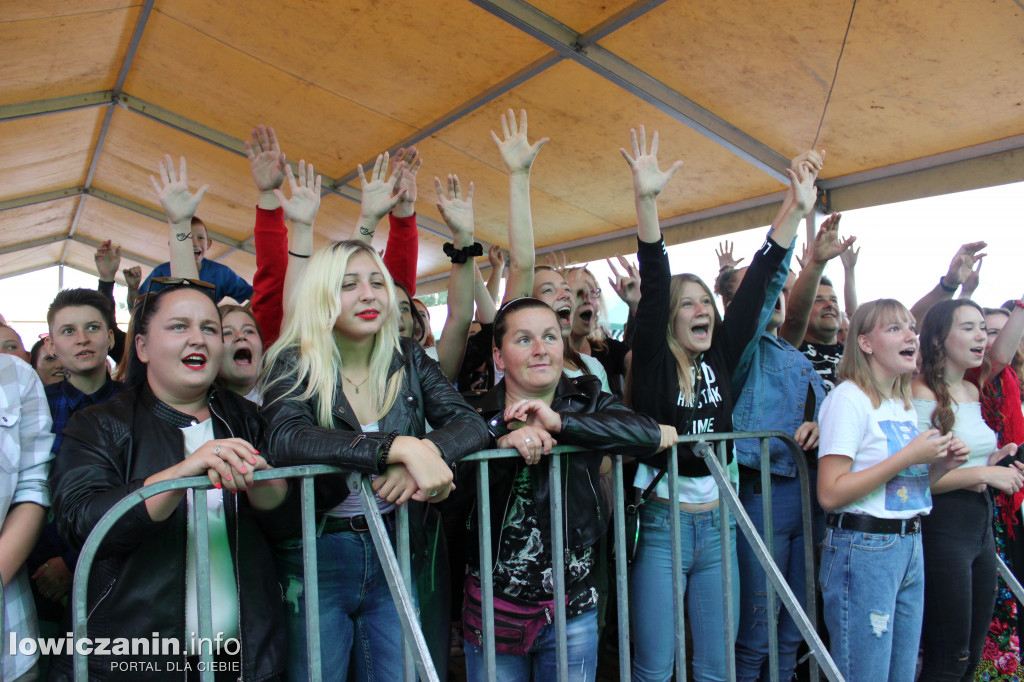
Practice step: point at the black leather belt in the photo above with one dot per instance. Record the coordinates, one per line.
(869, 524)
(334, 524)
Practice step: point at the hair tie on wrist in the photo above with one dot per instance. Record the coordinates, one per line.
(942, 283)
(464, 254)
(297, 255)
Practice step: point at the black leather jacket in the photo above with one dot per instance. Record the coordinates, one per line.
(294, 436)
(590, 419)
(137, 585)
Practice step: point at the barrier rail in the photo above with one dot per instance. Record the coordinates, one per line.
(416, 657)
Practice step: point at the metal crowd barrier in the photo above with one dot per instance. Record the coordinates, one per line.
(416, 657)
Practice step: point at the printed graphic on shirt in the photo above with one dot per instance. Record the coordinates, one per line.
(825, 359)
(709, 395)
(908, 489)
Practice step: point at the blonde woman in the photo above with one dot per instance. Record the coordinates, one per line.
(342, 388)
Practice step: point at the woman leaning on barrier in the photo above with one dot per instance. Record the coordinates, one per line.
(171, 424)
(683, 359)
(342, 388)
(535, 407)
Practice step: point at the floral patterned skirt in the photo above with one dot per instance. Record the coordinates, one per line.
(1000, 661)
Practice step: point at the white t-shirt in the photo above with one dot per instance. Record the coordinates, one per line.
(969, 426)
(851, 427)
(595, 367)
(223, 590)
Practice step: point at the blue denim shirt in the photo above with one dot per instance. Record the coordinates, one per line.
(772, 399)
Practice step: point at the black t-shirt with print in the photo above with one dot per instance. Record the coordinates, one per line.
(825, 358)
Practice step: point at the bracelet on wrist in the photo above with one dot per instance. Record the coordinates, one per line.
(947, 289)
(297, 255)
(384, 451)
(1019, 303)
(464, 254)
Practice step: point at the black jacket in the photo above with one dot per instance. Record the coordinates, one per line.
(590, 419)
(295, 437)
(137, 584)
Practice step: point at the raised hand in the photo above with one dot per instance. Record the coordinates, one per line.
(266, 160)
(827, 244)
(648, 179)
(516, 150)
(133, 277)
(970, 285)
(626, 284)
(802, 175)
(409, 161)
(108, 258)
(380, 192)
(849, 258)
(301, 208)
(556, 260)
(178, 202)
(963, 263)
(725, 257)
(456, 211)
(496, 258)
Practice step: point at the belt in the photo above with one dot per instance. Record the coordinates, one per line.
(334, 524)
(869, 524)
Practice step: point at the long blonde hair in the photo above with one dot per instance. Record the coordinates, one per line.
(307, 337)
(855, 365)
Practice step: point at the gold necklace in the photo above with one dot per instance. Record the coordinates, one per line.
(354, 384)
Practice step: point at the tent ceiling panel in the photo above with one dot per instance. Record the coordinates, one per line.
(580, 181)
(31, 259)
(28, 10)
(911, 82)
(135, 233)
(46, 153)
(907, 83)
(337, 217)
(180, 69)
(63, 55)
(19, 225)
(585, 15)
(80, 257)
(446, 54)
(136, 144)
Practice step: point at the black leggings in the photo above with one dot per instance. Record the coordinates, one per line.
(959, 584)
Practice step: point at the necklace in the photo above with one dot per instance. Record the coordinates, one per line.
(354, 384)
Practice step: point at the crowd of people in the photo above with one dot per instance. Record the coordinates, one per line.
(908, 419)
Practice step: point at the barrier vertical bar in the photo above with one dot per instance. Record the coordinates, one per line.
(201, 523)
(310, 580)
(558, 554)
(811, 602)
(1009, 578)
(772, 615)
(483, 496)
(725, 541)
(405, 566)
(389, 564)
(678, 582)
(621, 575)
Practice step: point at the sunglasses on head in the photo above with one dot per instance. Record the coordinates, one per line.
(158, 284)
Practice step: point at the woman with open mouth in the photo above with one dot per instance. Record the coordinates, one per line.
(874, 472)
(959, 547)
(171, 423)
(243, 351)
(683, 358)
(342, 388)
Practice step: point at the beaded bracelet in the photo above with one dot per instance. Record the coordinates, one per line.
(384, 451)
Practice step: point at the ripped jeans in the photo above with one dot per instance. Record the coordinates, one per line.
(873, 594)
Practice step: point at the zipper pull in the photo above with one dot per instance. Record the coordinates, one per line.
(547, 614)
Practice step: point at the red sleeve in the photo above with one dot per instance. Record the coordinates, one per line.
(402, 251)
(271, 237)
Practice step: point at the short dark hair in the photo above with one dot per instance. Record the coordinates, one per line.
(69, 298)
(514, 306)
(37, 350)
(826, 281)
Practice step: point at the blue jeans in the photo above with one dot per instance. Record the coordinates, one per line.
(581, 644)
(873, 595)
(650, 593)
(360, 632)
(788, 552)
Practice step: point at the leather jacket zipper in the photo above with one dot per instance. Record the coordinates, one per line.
(106, 591)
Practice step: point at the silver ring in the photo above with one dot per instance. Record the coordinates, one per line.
(433, 493)
(528, 441)
(216, 450)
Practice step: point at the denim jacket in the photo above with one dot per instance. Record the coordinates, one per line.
(772, 399)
